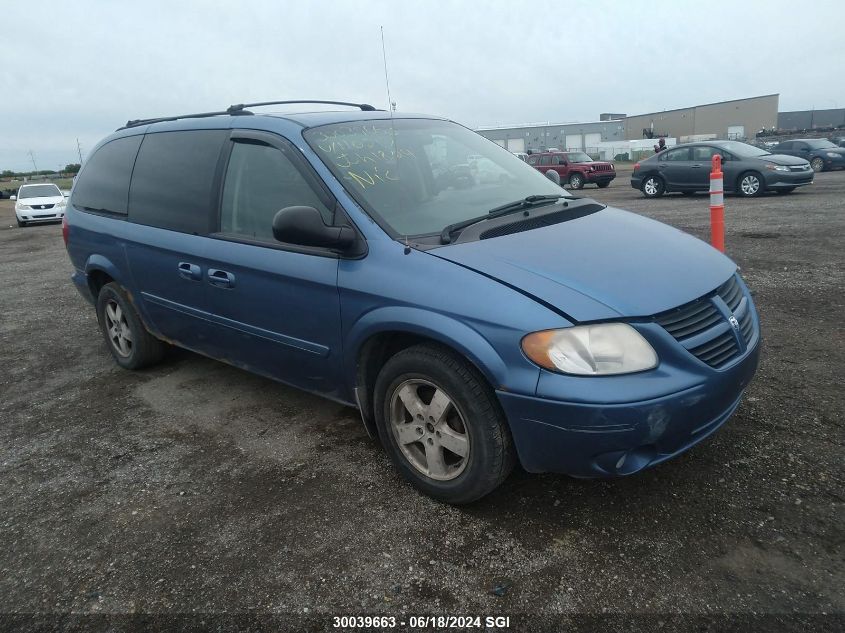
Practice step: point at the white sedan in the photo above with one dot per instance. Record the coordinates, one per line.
(39, 203)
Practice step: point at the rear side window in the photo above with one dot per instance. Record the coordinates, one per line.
(261, 180)
(173, 180)
(676, 154)
(104, 183)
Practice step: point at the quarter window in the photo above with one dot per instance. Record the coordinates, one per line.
(103, 184)
(261, 180)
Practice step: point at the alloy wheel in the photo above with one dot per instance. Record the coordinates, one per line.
(650, 187)
(750, 185)
(817, 164)
(429, 429)
(118, 329)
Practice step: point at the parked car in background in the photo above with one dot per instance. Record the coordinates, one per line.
(839, 141)
(575, 168)
(820, 152)
(39, 203)
(748, 170)
(473, 322)
(66, 193)
(521, 156)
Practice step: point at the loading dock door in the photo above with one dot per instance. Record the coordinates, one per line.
(516, 144)
(592, 142)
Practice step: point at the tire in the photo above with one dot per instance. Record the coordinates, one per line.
(653, 187)
(603, 185)
(21, 223)
(465, 411)
(129, 342)
(750, 184)
(576, 181)
(785, 191)
(553, 176)
(817, 164)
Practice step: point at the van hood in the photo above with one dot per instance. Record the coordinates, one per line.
(605, 265)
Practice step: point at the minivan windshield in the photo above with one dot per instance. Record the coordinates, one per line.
(421, 175)
(38, 191)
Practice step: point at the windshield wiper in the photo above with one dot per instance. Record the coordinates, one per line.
(505, 209)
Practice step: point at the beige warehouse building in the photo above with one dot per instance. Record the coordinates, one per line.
(740, 118)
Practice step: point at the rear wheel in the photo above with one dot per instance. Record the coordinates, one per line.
(576, 181)
(817, 164)
(653, 187)
(750, 184)
(128, 340)
(442, 425)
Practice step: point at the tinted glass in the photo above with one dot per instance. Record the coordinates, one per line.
(416, 174)
(261, 180)
(38, 191)
(743, 149)
(545, 160)
(821, 144)
(785, 146)
(682, 153)
(580, 157)
(704, 153)
(103, 184)
(173, 179)
(532, 160)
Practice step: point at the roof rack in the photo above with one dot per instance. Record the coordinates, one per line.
(240, 109)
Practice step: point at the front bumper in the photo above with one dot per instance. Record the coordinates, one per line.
(600, 176)
(40, 215)
(597, 439)
(787, 179)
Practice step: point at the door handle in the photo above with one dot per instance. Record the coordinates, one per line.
(190, 271)
(220, 278)
(695, 167)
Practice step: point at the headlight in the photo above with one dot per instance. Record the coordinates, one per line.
(22, 207)
(777, 167)
(832, 154)
(591, 350)
(61, 202)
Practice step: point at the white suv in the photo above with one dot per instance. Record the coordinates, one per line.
(39, 203)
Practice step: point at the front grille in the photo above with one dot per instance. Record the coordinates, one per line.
(703, 327)
(43, 206)
(799, 167)
(602, 168)
(41, 217)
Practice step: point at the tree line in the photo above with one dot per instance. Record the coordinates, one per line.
(72, 168)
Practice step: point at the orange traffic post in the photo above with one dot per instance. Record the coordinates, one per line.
(717, 205)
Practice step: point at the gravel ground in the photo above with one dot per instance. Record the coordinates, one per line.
(197, 487)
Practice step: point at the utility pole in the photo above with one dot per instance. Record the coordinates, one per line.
(79, 150)
(32, 158)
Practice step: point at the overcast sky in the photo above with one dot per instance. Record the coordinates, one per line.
(82, 68)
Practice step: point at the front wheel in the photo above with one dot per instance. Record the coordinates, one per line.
(750, 185)
(21, 223)
(603, 185)
(817, 164)
(576, 181)
(653, 187)
(442, 425)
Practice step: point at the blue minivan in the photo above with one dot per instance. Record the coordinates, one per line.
(473, 311)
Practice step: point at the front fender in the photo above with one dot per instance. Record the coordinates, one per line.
(433, 325)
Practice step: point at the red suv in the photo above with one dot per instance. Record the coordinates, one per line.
(576, 168)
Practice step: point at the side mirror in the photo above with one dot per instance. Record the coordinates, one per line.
(304, 226)
(13, 197)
